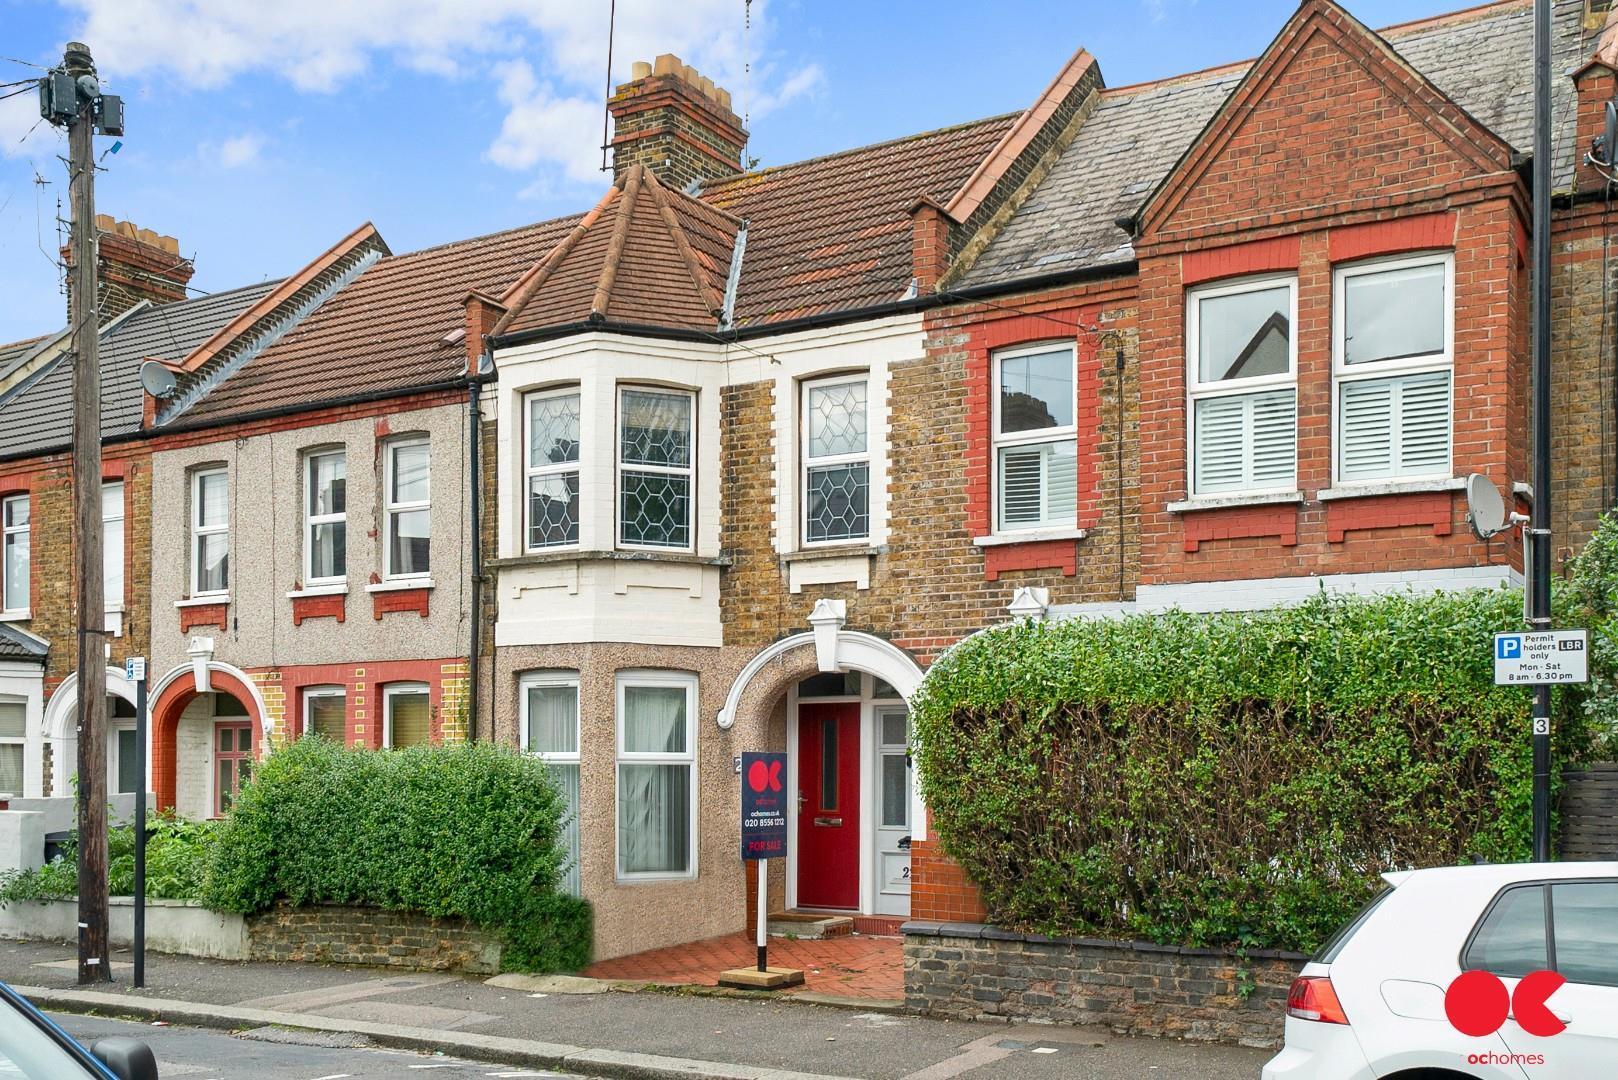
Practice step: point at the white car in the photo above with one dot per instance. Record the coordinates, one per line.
(1371, 1003)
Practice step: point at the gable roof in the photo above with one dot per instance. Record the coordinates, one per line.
(387, 331)
(18, 644)
(1481, 58)
(645, 256)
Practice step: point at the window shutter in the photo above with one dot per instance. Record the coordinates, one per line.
(410, 719)
(1022, 475)
(1221, 439)
(1275, 439)
(1366, 429)
(1424, 423)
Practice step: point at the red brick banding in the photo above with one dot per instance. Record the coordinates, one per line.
(194, 615)
(333, 606)
(1434, 509)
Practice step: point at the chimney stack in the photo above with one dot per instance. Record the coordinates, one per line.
(676, 122)
(136, 264)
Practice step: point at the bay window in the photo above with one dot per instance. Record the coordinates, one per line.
(551, 504)
(836, 461)
(407, 509)
(656, 455)
(1036, 471)
(14, 582)
(657, 783)
(550, 730)
(1242, 361)
(325, 531)
(1393, 326)
(210, 532)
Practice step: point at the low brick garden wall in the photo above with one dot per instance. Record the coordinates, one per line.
(975, 971)
(345, 935)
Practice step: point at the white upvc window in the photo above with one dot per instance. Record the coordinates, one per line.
(1242, 373)
(325, 713)
(550, 730)
(325, 518)
(112, 540)
(406, 715)
(407, 509)
(13, 740)
(551, 469)
(836, 460)
(657, 775)
(210, 532)
(14, 541)
(1036, 465)
(1393, 333)
(656, 468)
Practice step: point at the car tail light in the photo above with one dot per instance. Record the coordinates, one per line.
(1312, 998)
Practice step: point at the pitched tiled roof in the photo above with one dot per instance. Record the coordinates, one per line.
(386, 330)
(644, 256)
(15, 351)
(37, 415)
(1482, 58)
(15, 644)
(833, 233)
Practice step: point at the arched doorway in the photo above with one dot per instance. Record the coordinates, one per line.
(844, 696)
(208, 726)
(61, 723)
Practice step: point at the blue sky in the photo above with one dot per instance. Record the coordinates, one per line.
(261, 131)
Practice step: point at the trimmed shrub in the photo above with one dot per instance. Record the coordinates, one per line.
(1591, 601)
(177, 855)
(1229, 779)
(468, 831)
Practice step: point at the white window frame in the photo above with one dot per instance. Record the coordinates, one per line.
(5, 553)
(570, 680)
(1038, 437)
(663, 679)
(312, 519)
(688, 471)
(1196, 391)
(391, 509)
(18, 740)
(530, 470)
(1375, 370)
(199, 530)
(309, 693)
(114, 602)
(400, 689)
(808, 462)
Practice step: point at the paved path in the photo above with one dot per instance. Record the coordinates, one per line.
(855, 966)
(695, 1034)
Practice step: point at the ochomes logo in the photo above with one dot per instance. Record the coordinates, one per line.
(762, 777)
(1478, 1003)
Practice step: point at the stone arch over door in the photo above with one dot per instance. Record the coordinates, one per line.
(169, 697)
(61, 715)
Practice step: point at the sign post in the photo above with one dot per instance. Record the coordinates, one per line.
(135, 671)
(764, 837)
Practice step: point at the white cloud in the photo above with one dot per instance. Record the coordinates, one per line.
(553, 51)
(21, 132)
(236, 151)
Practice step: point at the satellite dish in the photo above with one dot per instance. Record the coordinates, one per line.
(157, 378)
(1609, 136)
(1485, 509)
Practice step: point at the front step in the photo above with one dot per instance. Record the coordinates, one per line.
(806, 926)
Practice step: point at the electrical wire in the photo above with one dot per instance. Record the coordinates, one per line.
(24, 63)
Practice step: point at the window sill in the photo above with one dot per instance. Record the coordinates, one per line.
(399, 585)
(1031, 536)
(213, 600)
(319, 590)
(1226, 502)
(567, 555)
(21, 615)
(832, 552)
(1391, 487)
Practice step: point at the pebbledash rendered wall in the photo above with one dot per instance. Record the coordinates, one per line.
(973, 971)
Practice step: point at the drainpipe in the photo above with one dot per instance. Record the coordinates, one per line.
(474, 435)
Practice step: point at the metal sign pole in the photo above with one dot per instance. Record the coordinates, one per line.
(137, 668)
(763, 914)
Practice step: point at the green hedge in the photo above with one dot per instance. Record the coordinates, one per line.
(1229, 779)
(468, 831)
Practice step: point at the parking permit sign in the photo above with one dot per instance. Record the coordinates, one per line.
(764, 806)
(1554, 656)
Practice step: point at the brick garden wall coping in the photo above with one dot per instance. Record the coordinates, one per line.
(978, 970)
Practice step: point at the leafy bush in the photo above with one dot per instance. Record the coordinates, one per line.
(1591, 601)
(1229, 779)
(176, 862)
(468, 831)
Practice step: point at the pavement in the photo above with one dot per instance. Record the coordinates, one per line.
(518, 1024)
(854, 966)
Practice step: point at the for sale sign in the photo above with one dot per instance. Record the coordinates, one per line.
(764, 806)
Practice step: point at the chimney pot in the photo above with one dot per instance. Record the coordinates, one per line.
(667, 64)
(707, 87)
(722, 96)
(640, 70)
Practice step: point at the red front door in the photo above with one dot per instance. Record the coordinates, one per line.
(829, 805)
